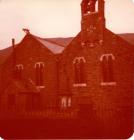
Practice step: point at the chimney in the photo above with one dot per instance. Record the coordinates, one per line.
(14, 53)
(13, 43)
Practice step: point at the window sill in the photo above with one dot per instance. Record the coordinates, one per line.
(40, 87)
(108, 84)
(80, 85)
(89, 13)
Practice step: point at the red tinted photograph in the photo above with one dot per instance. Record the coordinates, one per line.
(66, 69)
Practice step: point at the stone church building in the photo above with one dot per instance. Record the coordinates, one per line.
(92, 72)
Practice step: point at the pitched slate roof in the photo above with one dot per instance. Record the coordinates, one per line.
(4, 54)
(129, 37)
(61, 41)
(55, 45)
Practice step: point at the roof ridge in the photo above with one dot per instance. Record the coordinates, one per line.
(50, 41)
(53, 47)
(54, 42)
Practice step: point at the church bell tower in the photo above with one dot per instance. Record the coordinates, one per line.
(92, 23)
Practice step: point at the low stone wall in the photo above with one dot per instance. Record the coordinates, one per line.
(51, 114)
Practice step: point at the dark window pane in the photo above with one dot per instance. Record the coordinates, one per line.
(77, 72)
(18, 72)
(110, 69)
(41, 74)
(37, 75)
(105, 69)
(82, 71)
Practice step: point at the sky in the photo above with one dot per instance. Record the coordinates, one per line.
(57, 18)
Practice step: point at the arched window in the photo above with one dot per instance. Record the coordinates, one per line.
(39, 73)
(82, 71)
(104, 69)
(79, 70)
(63, 102)
(107, 68)
(89, 6)
(66, 102)
(110, 68)
(18, 71)
(69, 101)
